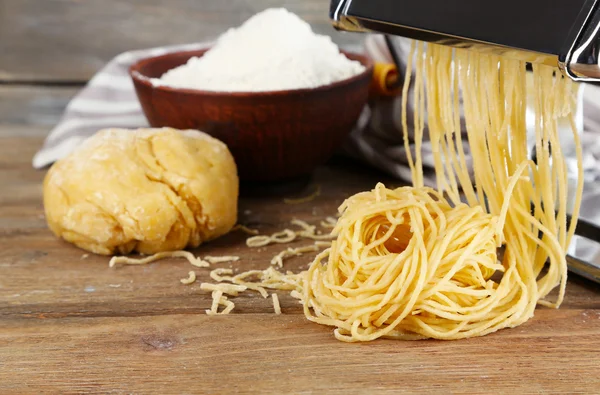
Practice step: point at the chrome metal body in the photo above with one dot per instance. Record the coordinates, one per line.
(565, 34)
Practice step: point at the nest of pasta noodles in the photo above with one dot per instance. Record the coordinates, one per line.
(408, 264)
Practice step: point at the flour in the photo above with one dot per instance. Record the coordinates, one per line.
(273, 50)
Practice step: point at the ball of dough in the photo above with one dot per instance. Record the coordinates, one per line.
(145, 190)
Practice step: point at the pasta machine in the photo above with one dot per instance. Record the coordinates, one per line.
(559, 33)
(563, 34)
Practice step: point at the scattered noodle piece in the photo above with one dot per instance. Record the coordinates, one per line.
(229, 306)
(191, 278)
(261, 290)
(216, 299)
(285, 236)
(239, 279)
(221, 259)
(305, 199)
(278, 259)
(329, 223)
(260, 280)
(309, 231)
(158, 256)
(219, 299)
(245, 229)
(276, 305)
(258, 241)
(229, 289)
(304, 225)
(216, 274)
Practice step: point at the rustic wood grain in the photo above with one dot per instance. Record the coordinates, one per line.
(33, 105)
(71, 324)
(263, 353)
(69, 40)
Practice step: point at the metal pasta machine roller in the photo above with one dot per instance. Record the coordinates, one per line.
(562, 33)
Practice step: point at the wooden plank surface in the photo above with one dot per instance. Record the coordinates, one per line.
(73, 325)
(33, 105)
(263, 353)
(69, 40)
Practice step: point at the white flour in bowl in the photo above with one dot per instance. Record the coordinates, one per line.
(273, 50)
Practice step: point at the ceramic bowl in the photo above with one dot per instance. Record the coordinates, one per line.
(272, 135)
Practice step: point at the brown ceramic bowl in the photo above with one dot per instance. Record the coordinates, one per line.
(272, 135)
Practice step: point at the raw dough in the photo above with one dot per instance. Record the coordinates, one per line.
(147, 190)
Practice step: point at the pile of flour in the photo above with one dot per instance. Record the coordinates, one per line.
(273, 50)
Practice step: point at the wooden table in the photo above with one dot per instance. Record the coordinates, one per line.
(69, 323)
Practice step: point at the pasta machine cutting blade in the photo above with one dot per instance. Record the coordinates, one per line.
(565, 34)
